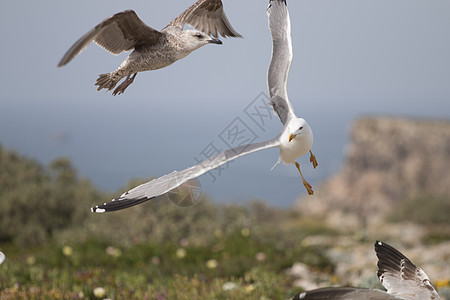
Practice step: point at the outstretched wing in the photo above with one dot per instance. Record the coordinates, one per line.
(348, 293)
(166, 183)
(120, 32)
(207, 16)
(280, 28)
(400, 276)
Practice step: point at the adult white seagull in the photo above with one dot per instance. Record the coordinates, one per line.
(401, 278)
(153, 49)
(295, 139)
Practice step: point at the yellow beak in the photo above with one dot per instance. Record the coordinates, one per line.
(291, 137)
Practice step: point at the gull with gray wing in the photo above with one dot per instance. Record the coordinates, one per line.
(280, 28)
(295, 139)
(153, 49)
(402, 279)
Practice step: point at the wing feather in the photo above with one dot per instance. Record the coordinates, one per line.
(280, 29)
(166, 183)
(400, 276)
(120, 32)
(348, 293)
(207, 16)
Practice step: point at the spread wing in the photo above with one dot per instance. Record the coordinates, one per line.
(280, 29)
(207, 16)
(120, 32)
(166, 183)
(400, 276)
(348, 293)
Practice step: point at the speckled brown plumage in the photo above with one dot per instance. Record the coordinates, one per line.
(153, 49)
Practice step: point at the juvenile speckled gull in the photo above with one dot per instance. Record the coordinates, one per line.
(153, 49)
(295, 139)
(401, 278)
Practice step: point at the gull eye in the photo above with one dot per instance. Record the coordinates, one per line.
(199, 36)
(301, 128)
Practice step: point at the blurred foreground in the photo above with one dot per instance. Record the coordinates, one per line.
(55, 248)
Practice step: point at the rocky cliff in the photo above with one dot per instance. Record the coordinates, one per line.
(388, 161)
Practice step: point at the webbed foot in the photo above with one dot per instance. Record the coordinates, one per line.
(313, 159)
(305, 183)
(122, 87)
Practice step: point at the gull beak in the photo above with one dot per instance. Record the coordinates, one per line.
(291, 137)
(215, 41)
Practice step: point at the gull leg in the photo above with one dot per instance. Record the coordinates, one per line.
(305, 183)
(121, 88)
(313, 160)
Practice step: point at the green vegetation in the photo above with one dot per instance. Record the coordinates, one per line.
(152, 269)
(57, 249)
(426, 210)
(37, 202)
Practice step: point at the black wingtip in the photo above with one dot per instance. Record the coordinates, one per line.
(393, 261)
(382, 249)
(117, 204)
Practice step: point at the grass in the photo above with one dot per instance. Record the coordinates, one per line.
(155, 270)
(160, 251)
(56, 249)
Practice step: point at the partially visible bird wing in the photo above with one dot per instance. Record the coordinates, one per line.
(207, 16)
(400, 276)
(166, 183)
(280, 28)
(348, 293)
(120, 32)
(2, 257)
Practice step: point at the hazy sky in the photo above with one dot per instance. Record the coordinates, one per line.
(351, 58)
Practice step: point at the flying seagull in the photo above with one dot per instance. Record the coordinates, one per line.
(401, 278)
(153, 49)
(295, 139)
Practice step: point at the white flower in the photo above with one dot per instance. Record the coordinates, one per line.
(249, 288)
(212, 264)
(99, 292)
(116, 252)
(181, 253)
(67, 251)
(228, 286)
(245, 232)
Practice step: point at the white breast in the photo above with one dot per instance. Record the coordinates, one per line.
(300, 145)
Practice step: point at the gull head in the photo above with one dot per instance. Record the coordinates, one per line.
(296, 140)
(195, 39)
(298, 129)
